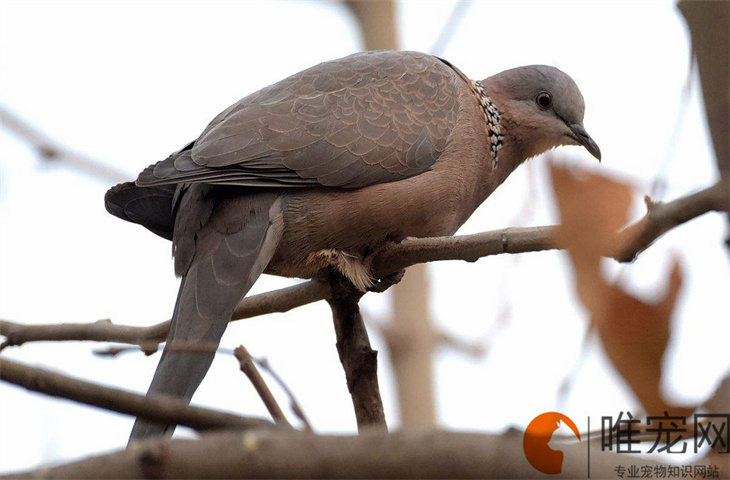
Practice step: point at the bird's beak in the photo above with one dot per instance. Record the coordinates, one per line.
(581, 136)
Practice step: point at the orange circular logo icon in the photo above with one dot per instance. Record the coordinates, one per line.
(536, 439)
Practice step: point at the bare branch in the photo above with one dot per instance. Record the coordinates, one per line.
(113, 351)
(50, 150)
(359, 361)
(463, 247)
(293, 403)
(393, 335)
(271, 454)
(249, 368)
(160, 408)
(661, 218)
(282, 300)
(100, 331)
(148, 338)
(474, 349)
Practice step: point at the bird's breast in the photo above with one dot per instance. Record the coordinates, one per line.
(324, 227)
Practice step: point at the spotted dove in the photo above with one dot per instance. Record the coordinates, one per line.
(324, 169)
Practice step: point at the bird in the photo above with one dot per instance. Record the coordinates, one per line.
(326, 168)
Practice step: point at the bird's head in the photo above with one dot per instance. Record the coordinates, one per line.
(541, 107)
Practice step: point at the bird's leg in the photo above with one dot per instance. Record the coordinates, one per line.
(359, 361)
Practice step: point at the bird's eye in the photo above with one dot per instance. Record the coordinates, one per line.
(544, 100)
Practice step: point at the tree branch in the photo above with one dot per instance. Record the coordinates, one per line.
(160, 408)
(469, 248)
(359, 361)
(270, 454)
(249, 368)
(50, 150)
(100, 331)
(282, 300)
(293, 402)
(276, 301)
(661, 218)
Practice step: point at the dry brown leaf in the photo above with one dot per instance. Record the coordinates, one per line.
(592, 209)
(634, 333)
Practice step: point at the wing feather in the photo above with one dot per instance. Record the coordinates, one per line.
(368, 118)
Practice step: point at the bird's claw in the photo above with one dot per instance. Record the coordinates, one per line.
(386, 282)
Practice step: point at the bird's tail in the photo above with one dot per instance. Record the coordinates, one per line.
(224, 268)
(150, 207)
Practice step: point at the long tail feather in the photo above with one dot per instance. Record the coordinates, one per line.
(224, 268)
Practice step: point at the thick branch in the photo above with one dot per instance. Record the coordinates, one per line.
(358, 359)
(271, 454)
(160, 409)
(661, 218)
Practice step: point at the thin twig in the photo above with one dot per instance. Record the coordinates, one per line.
(393, 336)
(159, 408)
(100, 331)
(249, 368)
(293, 402)
(475, 349)
(662, 217)
(52, 151)
(115, 350)
(148, 338)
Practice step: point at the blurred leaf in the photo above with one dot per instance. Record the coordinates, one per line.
(719, 400)
(592, 209)
(634, 334)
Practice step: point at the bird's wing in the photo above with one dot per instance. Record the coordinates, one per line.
(368, 118)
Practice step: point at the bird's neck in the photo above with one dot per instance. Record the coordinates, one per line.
(469, 162)
(505, 147)
(515, 149)
(492, 120)
(518, 140)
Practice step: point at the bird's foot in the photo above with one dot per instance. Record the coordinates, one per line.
(385, 283)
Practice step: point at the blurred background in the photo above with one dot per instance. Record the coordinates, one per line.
(483, 346)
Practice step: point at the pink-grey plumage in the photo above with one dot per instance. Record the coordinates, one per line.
(324, 169)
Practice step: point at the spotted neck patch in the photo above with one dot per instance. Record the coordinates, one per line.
(493, 119)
